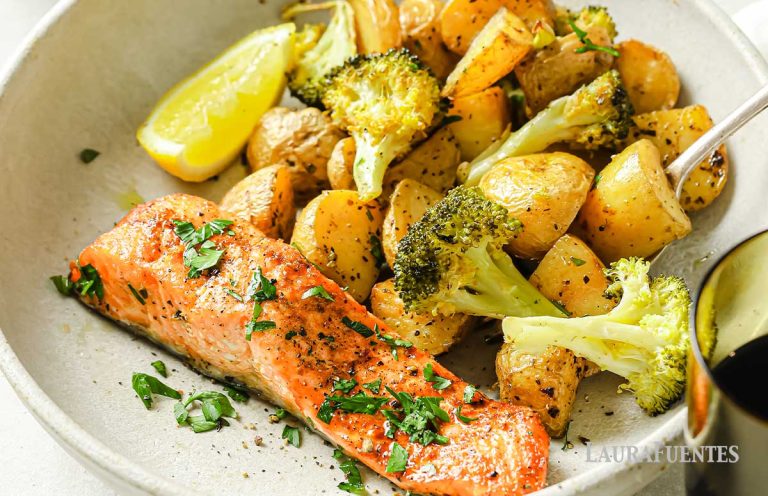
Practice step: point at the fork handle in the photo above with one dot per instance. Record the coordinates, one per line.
(679, 170)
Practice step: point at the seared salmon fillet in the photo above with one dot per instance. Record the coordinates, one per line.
(503, 451)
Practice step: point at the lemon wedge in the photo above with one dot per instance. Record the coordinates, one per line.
(200, 126)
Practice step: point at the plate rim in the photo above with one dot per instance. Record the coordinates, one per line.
(116, 468)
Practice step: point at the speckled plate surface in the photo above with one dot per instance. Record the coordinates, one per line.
(88, 76)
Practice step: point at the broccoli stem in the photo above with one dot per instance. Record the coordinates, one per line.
(500, 290)
(371, 162)
(546, 128)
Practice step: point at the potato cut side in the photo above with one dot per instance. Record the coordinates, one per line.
(484, 117)
(377, 23)
(341, 235)
(420, 24)
(572, 275)
(433, 163)
(649, 76)
(408, 203)
(494, 53)
(544, 191)
(432, 333)
(265, 199)
(632, 210)
(673, 131)
(461, 20)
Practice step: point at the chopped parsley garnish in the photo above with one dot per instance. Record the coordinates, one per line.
(293, 435)
(378, 252)
(393, 342)
(88, 155)
(290, 335)
(358, 403)
(236, 393)
(344, 385)
(139, 296)
(577, 261)
(89, 283)
(259, 289)
(398, 459)
(461, 417)
(417, 417)
(280, 413)
(358, 327)
(354, 483)
(63, 285)
(317, 292)
(438, 383)
(160, 367)
(206, 256)
(469, 394)
(147, 385)
(374, 386)
(214, 406)
(235, 295)
(588, 44)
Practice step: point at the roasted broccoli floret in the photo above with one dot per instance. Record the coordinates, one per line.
(385, 102)
(586, 18)
(643, 339)
(596, 115)
(452, 260)
(336, 44)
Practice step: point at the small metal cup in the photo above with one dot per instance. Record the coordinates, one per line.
(733, 305)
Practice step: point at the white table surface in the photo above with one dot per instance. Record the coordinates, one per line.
(32, 464)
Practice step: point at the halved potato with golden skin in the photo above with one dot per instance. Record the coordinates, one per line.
(673, 131)
(632, 211)
(649, 76)
(494, 53)
(302, 140)
(484, 117)
(334, 232)
(265, 199)
(432, 333)
(341, 164)
(433, 163)
(557, 70)
(408, 203)
(461, 20)
(544, 191)
(377, 23)
(420, 24)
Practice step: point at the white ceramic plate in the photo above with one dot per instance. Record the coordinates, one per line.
(88, 76)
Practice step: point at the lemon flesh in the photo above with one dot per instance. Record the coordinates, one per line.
(200, 126)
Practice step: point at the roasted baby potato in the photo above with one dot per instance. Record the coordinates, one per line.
(544, 191)
(433, 163)
(632, 210)
(484, 117)
(461, 20)
(265, 199)
(341, 163)
(493, 54)
(407, 204)
(420, 25)
(673, 131)
(340, 235)
(546, 382)
(557, 70)
(377, 23)
(302, 140)
(571, 274)
(432, 333)
(649, 76)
